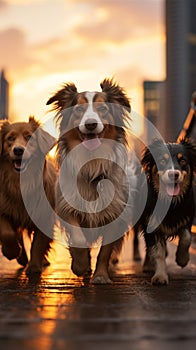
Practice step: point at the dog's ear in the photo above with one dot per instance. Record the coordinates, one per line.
(190, 148)
(33, 122)
(150, 153)
(3, 130)
(45, 141)
(147, 160)
(64, 98)
(115, 93)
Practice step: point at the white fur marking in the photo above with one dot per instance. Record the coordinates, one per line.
(90, 114)
(160, 276)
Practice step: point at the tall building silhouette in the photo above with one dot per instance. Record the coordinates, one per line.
(4, 89)
(154, 105)
(180, 62)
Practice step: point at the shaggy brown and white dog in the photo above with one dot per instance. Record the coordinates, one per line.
(23, 147)
(92, 189)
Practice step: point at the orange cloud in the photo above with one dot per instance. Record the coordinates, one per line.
(3, 5)
(14, 53)
(118, 21)
(121, 21)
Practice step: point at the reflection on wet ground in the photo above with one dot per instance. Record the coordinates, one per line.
(60, 311)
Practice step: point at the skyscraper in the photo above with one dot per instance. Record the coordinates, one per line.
(154, 105)
(180, 62)
(4, 87)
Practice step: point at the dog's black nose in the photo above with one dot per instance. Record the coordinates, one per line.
(18, 151)
(91, 124)
(173, 175)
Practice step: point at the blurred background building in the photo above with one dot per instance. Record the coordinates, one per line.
(4, 96)
(167, 104)
(180, 62)
(154, 105)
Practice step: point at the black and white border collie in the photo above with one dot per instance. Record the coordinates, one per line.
(169, 180)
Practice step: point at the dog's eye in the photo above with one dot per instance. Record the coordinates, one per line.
(162, 162)
(27, 137)
(102, 108)
(182, 162)
(10, 138)
(79, 109)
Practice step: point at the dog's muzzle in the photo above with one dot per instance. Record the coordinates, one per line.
(91, 132)
(19, 163)
(172, 186)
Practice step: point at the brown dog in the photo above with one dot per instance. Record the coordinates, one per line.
(92, 146)
(23, 147)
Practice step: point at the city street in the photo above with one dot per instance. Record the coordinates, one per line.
(59, 311)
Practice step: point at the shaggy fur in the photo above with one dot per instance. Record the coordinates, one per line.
(15, 159)
(171, 179)
(92, 123)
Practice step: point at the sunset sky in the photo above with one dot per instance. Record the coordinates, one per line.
(44, 43)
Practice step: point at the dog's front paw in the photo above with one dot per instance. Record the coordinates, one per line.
(101, 279)
(80, 270)
(81, 262)
(182, 258)
(160, 279)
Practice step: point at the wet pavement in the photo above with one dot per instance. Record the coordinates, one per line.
(60, 311)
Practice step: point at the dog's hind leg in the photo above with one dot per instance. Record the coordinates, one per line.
(149, 262)
(11, 248)
(136, 253)
(116, 249)
(182, 253)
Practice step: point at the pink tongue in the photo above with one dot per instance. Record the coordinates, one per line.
(173, 190)
(92, 144)
(18, 164)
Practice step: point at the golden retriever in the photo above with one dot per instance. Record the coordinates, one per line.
(92, 150)
(23, 148)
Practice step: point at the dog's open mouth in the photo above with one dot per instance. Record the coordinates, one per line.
(20, 165)
(173, 189)
(91, 141)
